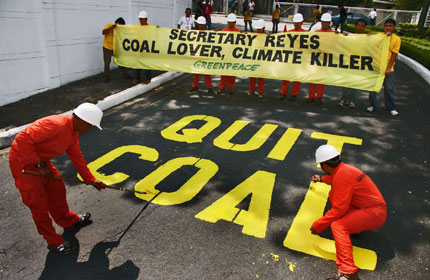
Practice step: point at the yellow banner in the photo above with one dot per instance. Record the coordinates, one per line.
(355, 61)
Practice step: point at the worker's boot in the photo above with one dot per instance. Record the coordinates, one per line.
(64, 249)
(341, 276)
(83, 219)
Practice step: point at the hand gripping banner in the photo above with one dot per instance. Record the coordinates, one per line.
(354, 61)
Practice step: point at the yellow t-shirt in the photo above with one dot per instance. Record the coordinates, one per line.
(276, 14)
(316, 13)
(395, 42)
(248, 15)
(108, 40)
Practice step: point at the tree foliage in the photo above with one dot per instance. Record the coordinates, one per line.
(409, 4)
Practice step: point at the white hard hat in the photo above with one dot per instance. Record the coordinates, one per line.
(326, 17)
(143, 14)
(231, 18)
(260, 24)
(201, 20)
(298, 18)
(325, 152)
(89, 113)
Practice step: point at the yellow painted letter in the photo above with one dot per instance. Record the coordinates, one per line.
(207, 169)
(254, 221)
(223, 140)
(281, 149)
(190, 135)
(145, 153)
(336, 140)
(299, 237)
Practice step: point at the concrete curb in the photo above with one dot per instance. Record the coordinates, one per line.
(417, 67)
(6, 137)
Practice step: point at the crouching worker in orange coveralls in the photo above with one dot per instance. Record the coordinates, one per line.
(33, 149)
(356, 206)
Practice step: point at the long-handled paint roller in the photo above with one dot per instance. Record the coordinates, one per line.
(83, 182)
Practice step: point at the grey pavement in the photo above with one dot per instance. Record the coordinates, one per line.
(131, 239)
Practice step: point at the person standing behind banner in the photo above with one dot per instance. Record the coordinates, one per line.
(143, 20)
(207, 10)
(186, 22)
(372, 16)
(259, 26)
(389, 81)
(325, 27)
(276, 15)
(198, 12)
(248, 20)
(251, 5)
(317, 12)
(201, 23)
(298, 22)
(342, 19)
(230, 80)
(108, 49)
(348, 94)
(317, 25)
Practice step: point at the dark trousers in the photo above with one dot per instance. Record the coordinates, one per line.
(107, 57)
(148, 74)
(275, 25)
(250, 25)
(342, 23)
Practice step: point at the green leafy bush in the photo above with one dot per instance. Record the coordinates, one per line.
(415, 48)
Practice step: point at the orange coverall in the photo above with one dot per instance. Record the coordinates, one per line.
(357, 205)
(42, 140)
(208, 81)
(230, 80)
(286, 84)
(260, 85)
(313, 87)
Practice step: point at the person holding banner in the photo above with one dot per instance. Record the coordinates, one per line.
(276, 15)
(186, 22)
(201, 23)
(325, 27)
(143, 20)
(108, 49)
(230, 80)
(298, 22)
(348, 94)
(390, 106)
(259, 26)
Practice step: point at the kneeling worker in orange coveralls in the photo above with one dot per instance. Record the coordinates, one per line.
(32, 150)
(357, 205)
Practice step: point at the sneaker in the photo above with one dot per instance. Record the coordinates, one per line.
(194, 89)
(251, 92)
(219, 91)
(393, 112)
(282, 97)
(83, 219)
(146, 81)
(64, 249)
(260, 95)
(371, 109)
(292, 98)
(318, 101)
(351, 105)
(341, 103)
(309, 100)
(341, 276)
(210, 90)
(136, 81)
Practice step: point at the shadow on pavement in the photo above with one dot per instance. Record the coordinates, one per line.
(97, 267)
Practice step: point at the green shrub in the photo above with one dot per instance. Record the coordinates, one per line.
(416, 51)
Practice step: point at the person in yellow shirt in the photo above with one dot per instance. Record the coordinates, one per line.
(276, 15)
(108, 49)
(317, 12)
(248, 20)
(389, 82)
